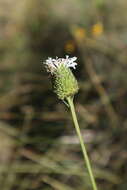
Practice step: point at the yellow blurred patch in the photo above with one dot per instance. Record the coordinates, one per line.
(69, 46)
(97, 29)
(80, 33)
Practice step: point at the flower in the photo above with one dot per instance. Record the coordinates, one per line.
(64, 82)
(97, 29)
(53, 64)
(79, 33)
(69, 46)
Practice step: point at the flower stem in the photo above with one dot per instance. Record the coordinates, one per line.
(86, 158)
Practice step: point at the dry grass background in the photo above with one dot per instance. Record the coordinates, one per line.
(39, 148)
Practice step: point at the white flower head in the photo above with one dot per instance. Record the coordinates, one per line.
(53, 64)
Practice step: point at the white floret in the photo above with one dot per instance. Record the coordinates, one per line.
(53, 64)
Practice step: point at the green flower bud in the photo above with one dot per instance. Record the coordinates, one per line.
(64, 82)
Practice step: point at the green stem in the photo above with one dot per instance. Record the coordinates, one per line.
(86, 158)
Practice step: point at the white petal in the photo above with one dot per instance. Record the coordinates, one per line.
(53, 64)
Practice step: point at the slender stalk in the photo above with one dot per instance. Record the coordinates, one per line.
(86, 158)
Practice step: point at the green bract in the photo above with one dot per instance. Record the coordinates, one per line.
(65, 84)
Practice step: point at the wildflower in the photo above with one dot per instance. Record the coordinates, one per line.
(97, 29)
(65, 86)
(54, 64)
(79, 33)
(69, 46)
(64, 82)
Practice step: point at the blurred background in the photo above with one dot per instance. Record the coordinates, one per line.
(39, 149)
